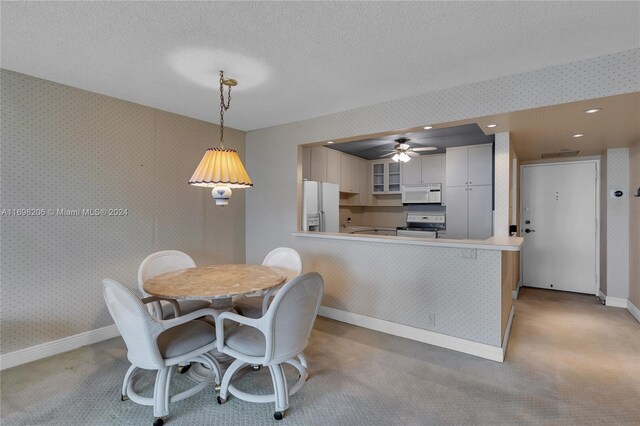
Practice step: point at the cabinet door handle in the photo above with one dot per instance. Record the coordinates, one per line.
(470, 183)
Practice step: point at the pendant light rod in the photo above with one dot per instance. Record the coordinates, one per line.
(229, 82)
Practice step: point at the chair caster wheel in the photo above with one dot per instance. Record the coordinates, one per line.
(158, 421)
(278, 415)
(221, 401)
(183, 368)
(124, 398)
(255, 367)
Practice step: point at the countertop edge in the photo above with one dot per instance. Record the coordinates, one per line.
(493, 243)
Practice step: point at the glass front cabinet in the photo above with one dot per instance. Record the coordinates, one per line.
(386, 177)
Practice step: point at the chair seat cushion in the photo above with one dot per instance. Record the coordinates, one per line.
(250, 307)
(186, 306)
(246, 340)
(185, 338)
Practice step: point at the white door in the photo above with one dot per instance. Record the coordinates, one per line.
(559, 212)
(432, 168)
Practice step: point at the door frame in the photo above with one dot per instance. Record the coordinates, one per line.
(593, 160)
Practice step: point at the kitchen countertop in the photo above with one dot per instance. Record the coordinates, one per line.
(493, 243)
(362, 228)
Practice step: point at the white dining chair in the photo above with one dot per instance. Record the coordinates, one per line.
(284, 258)
(160, 345)
(162, 262)
(278, 337)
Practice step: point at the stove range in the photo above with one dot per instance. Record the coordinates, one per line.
(423, 225)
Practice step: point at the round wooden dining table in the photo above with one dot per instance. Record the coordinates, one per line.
(218, 283)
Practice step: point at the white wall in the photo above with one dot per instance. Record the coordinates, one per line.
(617, 223)
(634, 225)
(71, 149)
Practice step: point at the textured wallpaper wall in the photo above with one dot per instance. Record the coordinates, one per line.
(634, 225)
(272, 160)
(617, 223)
(64, 148)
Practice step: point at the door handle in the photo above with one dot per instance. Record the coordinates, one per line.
(529, 230)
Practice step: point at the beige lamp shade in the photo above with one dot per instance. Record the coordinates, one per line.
(221, 167)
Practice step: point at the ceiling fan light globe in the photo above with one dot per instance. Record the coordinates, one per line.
(396, 157)
(403, 157)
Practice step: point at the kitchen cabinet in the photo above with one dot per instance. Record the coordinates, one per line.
(386, 176)
(424, 169)
(334, 165)
(469, 165)
(318, 164)
(480, 212)
(364, 197)
(469, 189)
(349, 173)
(469, 212)
(306, 163)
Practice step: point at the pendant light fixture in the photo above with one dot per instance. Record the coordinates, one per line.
(220, 168)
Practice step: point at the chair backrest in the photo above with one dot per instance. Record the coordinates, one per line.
(285, 258)
(138, 329)
(291, 316)
(162, 262)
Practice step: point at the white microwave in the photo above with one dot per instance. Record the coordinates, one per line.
(427, 193)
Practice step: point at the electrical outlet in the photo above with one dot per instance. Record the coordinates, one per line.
(468, 253)
(432, 320)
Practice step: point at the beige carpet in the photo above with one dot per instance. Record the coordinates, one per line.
(570, 361)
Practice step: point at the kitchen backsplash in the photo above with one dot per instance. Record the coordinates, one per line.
(384, 216)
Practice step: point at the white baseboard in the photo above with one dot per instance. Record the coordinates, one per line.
(507, 332)
(616, 302)
(633, 310)
(481, 350)
(516, 292)
(55, 347)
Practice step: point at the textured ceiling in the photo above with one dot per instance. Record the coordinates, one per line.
(299, 60)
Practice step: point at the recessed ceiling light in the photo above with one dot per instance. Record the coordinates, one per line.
(491, 126)
(329, 142)
(428, 127)
(592, 110)
(577, 135)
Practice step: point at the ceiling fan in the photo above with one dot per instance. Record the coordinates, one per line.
(402, 151)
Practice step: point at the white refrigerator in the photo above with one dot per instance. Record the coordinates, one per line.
(320, 210)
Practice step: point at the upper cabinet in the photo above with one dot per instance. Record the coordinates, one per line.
(424, 169)
(469, 165)
(334, 164)
(386, 177)
(318, 164)
(350, 173)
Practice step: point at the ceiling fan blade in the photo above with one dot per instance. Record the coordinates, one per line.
(386, 155)
(410, 153)
(426, 148)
